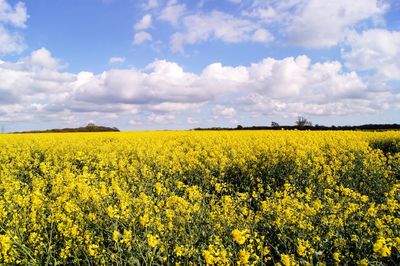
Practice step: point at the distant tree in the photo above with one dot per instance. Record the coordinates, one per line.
(239, 127)
(274, 124)
(303, 122)
(90, 125)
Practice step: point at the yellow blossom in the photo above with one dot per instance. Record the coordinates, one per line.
(152, 240)
(239, 236)
(381, 248)
(243, 257)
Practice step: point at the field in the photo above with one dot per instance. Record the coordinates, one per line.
(216, 198)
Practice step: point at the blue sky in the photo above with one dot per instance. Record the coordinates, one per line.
(174, 64)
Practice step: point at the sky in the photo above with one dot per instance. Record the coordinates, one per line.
(175, 64)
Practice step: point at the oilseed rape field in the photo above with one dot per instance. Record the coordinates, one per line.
(200, 198)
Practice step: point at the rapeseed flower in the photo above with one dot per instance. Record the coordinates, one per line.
(189, 197)
(239, 236)
(153, 240)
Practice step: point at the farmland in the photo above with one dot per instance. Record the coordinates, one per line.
(216, 198)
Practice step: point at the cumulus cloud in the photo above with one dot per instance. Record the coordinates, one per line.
(317, 23)
(297, 78)
(42, 58)
(262, 35)
(309, 27)
(10, 18)
(161, 119)
(151, 4)
(166, 82)
(142, 37)
(300, 22)
(217, 26)
(15, 16)
(144, 23)
(116, 60)
(172, 12)
(168, 88)
(261, 104)
(170, 107)
(235, 1)
(375, 49)
(192, 121)
(30, 85)
(10, 42)
(217, 71)
(34, 77)
(36, 88)
(135, 122)
(265, 13)
(226, 112)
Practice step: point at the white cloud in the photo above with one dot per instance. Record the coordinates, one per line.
(151, 4)
(135, 122)
(225, 79)
(296, 78)
(192, 121)
(226, 112)
(166, 82)
(42, 58)
(216, 26)
(142, 37)
(16, 16)
(161, 119)
(256, 103)
(33, 78)
(317, 23)
(168, 88)
(10, 42)
(144, 23)
(172, 12)
(267, 14)
(166, 92)
(262, 35)
(375, 49)
(116, 60)
(168, 107)
(320, 23)
(217, 71)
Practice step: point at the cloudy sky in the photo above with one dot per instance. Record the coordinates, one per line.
(175, 64)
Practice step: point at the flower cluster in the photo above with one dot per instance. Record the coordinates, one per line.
(190, 198)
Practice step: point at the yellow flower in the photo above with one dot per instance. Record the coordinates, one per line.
(180, 251)
(381, 248)
(5, 243)
(144, 220)
(336, 256)
(364, 198)
(93, 249)
(266, 251)
(208, 257)
(152, 240)
(116, 236)
(159, 188)
(243, 257)
(239, 236)
(363, 262)
(288, 260)
(301, 249)
(127, 237)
